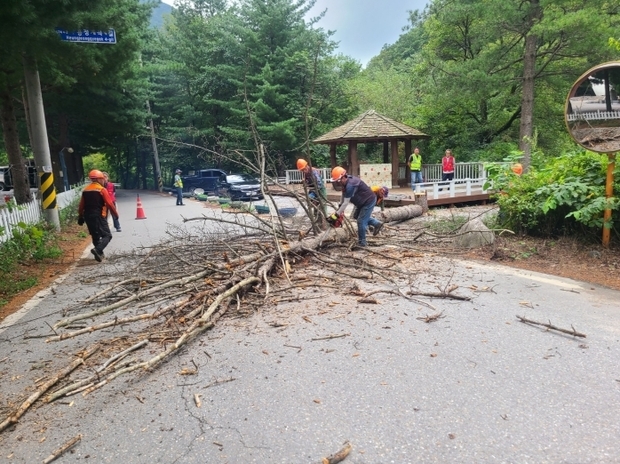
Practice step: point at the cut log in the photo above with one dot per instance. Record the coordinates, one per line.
(401, 213)
(421, 199)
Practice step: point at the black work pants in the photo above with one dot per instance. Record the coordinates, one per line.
(99, 231)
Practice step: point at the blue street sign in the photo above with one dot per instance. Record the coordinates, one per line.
(86, 36)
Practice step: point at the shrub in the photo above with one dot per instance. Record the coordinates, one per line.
(564, 195)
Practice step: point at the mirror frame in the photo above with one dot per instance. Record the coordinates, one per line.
(572, 93)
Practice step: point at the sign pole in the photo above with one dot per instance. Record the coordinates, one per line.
(609, 192)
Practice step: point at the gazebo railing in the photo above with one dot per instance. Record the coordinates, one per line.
(431, 173)
(294, 176)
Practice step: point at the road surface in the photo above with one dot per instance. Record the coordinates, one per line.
(476, 385)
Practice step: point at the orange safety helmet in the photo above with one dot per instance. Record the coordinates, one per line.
(338, 173)
(517, 169)
(95, 174)
(301, 164)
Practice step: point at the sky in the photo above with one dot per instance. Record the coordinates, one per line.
(363, 27)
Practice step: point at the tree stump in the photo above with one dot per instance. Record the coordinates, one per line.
(421, 199)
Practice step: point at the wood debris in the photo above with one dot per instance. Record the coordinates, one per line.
(63, 449)
(431, 317)
(340, 456)
(167, 295)
(572, 332)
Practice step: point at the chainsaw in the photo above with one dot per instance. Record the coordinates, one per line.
(335, 220)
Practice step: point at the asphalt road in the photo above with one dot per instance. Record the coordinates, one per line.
(475, 386)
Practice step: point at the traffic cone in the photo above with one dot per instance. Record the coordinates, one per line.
(140, 214)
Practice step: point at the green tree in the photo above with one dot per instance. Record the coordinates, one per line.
(88, 91)
(218, 70)
(484, 60)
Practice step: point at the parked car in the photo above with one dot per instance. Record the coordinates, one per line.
(208, 180)
(241, 187)
(6, 176)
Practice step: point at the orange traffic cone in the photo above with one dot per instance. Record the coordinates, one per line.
(140, 214)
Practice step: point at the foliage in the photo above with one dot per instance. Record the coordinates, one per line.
(96, 161)
(562, 196)
(69, 214)
(466, 69)
(226, 77)
(29, 245)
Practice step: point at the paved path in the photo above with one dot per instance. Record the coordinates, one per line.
(474, 386)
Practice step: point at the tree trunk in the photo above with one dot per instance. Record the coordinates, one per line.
(401, 213)
(526, 128)
(19, 171)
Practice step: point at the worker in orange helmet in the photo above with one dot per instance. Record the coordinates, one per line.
(93, 210)
(381, 193)
(314, 181)
(355, 191)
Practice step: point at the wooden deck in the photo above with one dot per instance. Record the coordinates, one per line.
(460, 193)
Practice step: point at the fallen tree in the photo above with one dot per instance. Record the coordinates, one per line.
(175, 291)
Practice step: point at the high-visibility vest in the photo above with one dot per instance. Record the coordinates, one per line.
(416, 162)
(178, 182)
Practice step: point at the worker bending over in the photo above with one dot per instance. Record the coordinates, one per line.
(355, 191)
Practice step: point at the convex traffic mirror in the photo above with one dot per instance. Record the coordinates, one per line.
(592, 111)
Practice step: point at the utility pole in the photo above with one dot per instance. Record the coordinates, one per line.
(160, 184)
(40, 145)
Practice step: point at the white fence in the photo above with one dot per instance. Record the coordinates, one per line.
(295, 176)
(30, 213)
(430, 173)
(593, 115)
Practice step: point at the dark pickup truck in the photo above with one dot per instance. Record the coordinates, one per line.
(209, 180)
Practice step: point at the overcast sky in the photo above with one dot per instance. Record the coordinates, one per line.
(363, 27)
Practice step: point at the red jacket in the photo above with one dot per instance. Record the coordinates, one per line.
(96, 201)
(111, 188)
(447, 164)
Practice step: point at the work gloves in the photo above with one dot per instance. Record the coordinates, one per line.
(80, 220)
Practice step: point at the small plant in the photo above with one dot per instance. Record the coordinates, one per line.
(446, 226)
(29, 243)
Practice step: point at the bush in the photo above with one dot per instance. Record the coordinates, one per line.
(564, 195)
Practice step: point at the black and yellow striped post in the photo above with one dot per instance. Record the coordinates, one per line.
(48, 192)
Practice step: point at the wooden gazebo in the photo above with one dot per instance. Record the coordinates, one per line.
(371, 127)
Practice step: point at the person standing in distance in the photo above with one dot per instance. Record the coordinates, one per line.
(93, 210)
(178, 184)
(415, 165)
(447, 167)
(111, 188)
(355, 190)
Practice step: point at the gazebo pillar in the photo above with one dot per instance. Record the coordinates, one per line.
(332, 154)
(394, 144)
(354, 165)
(386, 152)
(408, 152)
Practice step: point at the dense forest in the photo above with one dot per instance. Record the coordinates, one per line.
(218, 79)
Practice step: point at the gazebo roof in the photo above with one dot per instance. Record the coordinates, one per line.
(370, 127)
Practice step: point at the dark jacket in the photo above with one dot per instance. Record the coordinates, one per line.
(96, 201)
